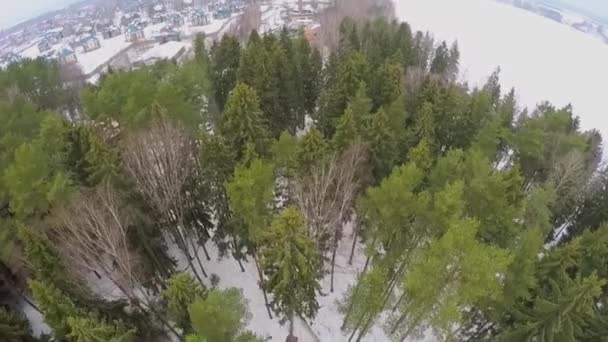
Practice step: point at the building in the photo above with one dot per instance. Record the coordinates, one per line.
(158, 18)
(176, 20)
(67, 56)
(199, 18)
(90, 43)
(44, 46)
(111, 32)
(167, 34)
(134, 34)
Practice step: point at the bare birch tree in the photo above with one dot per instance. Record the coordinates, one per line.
(326, 197)
(161, 160)
(92, 229)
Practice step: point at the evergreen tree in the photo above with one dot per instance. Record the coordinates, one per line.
(55, 306)
(312, 149)
(221, 316)
(93, 330)
(201, 55)
(12, 327)
(182, 290)
(441, 60)
(291, 261)
(243, 123)
(224, 64)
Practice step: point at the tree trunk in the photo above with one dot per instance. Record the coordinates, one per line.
(365, 328)
(333, 263)
(194, 247)
(350, 306)
(352, 248)
(237, 254)
(291, 324)
(393, 282)
(206, 253)
(398, 302)
(261, 275)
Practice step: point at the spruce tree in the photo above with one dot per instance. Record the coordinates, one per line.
(182, 290)
(55, 306)
(224, 64)
(92, 329)
(243, 123)
(12, 327)
(291, 262)
(221, 316)
(201, 55)
(312, 149)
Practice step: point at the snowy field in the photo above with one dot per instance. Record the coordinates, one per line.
(326, 326)
(542, 59)
(109, 48)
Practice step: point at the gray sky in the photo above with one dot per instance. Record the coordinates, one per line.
(16, 11)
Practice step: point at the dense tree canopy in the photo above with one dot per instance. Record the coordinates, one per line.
(480, 220)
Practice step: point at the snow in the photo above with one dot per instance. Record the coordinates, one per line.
(92, 60)
(326, 326)
(164, 51)
(271, 19)
(542, 59)
(37, 324)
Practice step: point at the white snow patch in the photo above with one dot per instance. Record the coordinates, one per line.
(109, 48)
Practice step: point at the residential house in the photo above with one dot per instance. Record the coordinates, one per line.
(111, 32)
(158, 18)
(44, 46)
(90, 43)
(67, 56)
(134, 33)
(167, 34)
(199, 18)
(176, 20)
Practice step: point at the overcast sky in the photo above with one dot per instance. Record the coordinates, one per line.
(15, 11)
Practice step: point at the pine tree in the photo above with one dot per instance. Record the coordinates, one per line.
(182, 290)
(221, 316)
(55, 306)
(201, 55)
(383, 145)
(454, 273)
(12, 327)
(243, 121)
(92, 329)
(386, 84)
(346, 131)
(441, 60)
(43, 257)
(224, 64)
(312, 149)
(291, 261)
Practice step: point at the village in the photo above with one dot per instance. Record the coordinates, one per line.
(127, 34)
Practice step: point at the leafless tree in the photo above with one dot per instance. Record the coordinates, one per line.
(251, 19)
(92, 229)
(326, 197)
(161, 160)
(359, 10)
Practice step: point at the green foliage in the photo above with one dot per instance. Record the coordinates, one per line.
(225, 56)
(291, 262)
(12, 327)
(42, 256)
(312, 149)
(182, 290)
(456, 271)
(243, 123)
(222, 316)
(94, 330)
(251, 192)
(55, 306)
(284, 151)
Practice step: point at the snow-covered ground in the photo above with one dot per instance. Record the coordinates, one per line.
(109, 48)
(542, 59)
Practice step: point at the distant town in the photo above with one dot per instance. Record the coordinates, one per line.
(97, 35)
(564, 16)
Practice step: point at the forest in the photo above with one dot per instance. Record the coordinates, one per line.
(481, 220)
